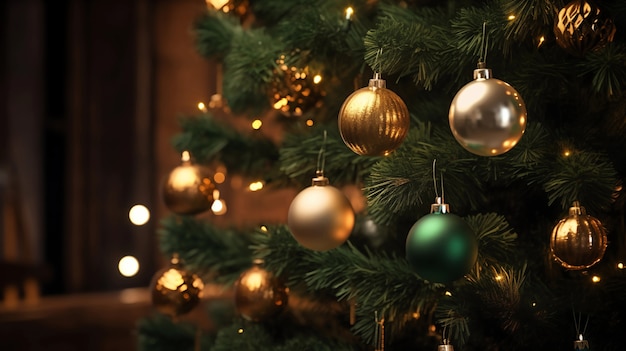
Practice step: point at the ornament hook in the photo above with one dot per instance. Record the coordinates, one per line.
(321, 157)
(482, 60)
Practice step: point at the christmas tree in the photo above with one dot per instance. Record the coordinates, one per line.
(488, 140)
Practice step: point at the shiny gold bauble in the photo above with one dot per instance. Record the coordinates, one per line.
(320, 217)
(175, 291)
(487, 116)
(374, 121)
(259, 295)
(188, 189)
(579, 240)
(295, 90)
(581, 27)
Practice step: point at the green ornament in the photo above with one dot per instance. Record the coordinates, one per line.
(441, 247)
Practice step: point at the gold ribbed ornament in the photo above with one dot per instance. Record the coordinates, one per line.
(579, 240)
(188, 188)
(374, 120)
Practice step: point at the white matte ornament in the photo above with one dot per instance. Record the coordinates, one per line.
(487, 116)
(320, 217)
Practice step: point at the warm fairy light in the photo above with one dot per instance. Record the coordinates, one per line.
(128, 266)
(240, 330)
(280, 103)
(534, 304)
(349, 12)
(217, 4)
(264, 229)
(596, 279)
(256, 124)
(498, 277)
(186, 156)
(432, 328)
(256, 186)
(202, 107)
(511, 17)
(566, 153)
(309, 123)
(620, 265)
(447, 293)
(218, 207)
(416, 315)
(541, 40)
(317, 79)
(139, 215)
(219, 177)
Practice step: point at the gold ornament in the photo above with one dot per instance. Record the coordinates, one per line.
(320, 217)
(374, 121)
(259, 295)
(174, 290)
(581, 26)
(487, 116)
(579, 240)
(188, 188)
(295, 90)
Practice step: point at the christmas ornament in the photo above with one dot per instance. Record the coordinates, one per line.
(320, 217)
(579, 240)
(238, 7)
(174, 290)
(258, 294)
(581, 27)
(295, 90)
(487, 116)
(445, 346)
(188, 188)
(440, 246)
(581, 344)
(374, 121)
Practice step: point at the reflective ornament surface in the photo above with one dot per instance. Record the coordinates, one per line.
(320, 217)
(175, 291)
(581, 26)
(374, 120)
(579, 240)
(188, 188)
(487, 116)
(295, 90)
(441, 246)
(259, 295)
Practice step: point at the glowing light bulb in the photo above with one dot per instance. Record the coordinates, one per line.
(309, 123)
(256, 186)
(218, 207)
(541, 40)
(139, 215)
(256, 124)
(566, 153)
(186, 156)
(317, 79)
(596, 279)
(511, 17)
(202, 107)
(349, 12)
(128, 266)
(620, 265)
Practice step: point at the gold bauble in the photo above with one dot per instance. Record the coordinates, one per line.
(579, 240)
(374, 121)
(175, 291)
(487, 116)
(259, 295)
(188, 188)
(581, 26)
(320, 217)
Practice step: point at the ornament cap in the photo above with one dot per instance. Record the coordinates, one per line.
(445, 346)
(439, 206)
(377, 81)
(577, 210)
(482, 72)
(320, 180)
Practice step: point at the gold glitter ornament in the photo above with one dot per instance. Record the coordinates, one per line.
(259, 295)
(579, 240)
(295, 90)
(373, 120)
(174, 290)
(188, 188)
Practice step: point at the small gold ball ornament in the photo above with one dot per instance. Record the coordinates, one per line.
(579, 240)
(373, 120)
(487, 116)
(174, 290)
(581, 26)
(259, 295)
(188, 188)
(320, 217)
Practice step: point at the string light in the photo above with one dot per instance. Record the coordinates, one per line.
(448, 293)
(202, 107)
(541, 40)
(139, 215)
(309, 123)
(567, 153)
(264, 229)
(596, 279)
(256, 124)
(317, 79)
(620, 265)
(240, 330)
(349, 12)
(511, 17)
(128, 266)
(256, 186)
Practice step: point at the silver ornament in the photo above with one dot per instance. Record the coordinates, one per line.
(487, 116)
